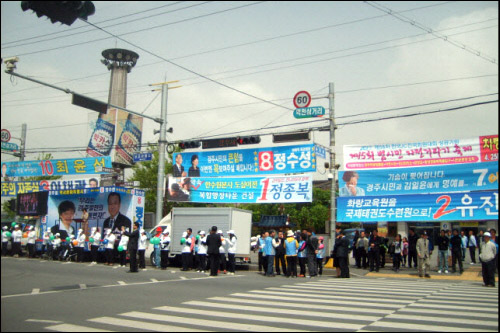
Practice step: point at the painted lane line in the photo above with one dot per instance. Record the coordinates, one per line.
(35, 291)
(142, 325)
(74, 328)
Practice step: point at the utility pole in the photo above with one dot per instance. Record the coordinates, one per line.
(162, 143)
(23, 142)
(333, 188)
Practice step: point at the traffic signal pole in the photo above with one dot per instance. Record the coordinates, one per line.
(333, 168)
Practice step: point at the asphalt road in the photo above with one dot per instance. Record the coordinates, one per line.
(53, 296)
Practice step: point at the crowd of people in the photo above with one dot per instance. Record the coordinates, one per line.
(278, 254)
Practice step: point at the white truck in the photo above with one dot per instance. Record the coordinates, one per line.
(225, 218)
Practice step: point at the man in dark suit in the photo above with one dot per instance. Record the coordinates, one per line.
(116, 220)
(178, 168)
(374, 250)
(213, 244)
(343, 254)
(133, 244)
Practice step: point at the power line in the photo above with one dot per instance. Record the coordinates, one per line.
(111, 25)
(431, 31)
(273, 128)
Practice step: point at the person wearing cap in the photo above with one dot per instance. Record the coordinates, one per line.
(94, 246)
(157, 248)
(456, 252)
(5, 240)
(291, 249)
(141, 249)
(133, 244)
(46, 243)
(165, 248)
(202, 252)
(17, 234)
(31, 241)
(488, 262)
(213, 245)
(424, 255)
(231, 251)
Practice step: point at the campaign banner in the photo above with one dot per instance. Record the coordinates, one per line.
(245, 162)
(447, 178)
(62, 167)
(283, 189)
(421, 154)
(420, 207)
(130, 206)
(12, 189)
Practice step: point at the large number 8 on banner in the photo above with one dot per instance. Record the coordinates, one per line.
(266, 161)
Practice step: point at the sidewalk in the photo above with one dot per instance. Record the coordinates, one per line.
(471, 272)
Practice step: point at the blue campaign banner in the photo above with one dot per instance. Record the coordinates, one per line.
(284, 189)
(443, 178)
(12, 189)
(257, 161)
(72, 166)
(472, 206)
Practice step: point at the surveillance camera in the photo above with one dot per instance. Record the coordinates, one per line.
(11, 60)
(10, 63)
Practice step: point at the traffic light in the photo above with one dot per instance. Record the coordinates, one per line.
(65, 12)
(248, 140)
(189, 144)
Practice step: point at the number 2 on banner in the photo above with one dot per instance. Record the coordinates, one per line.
(266, 161)
(442, 210)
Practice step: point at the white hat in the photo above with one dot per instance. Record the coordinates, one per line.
(58, 235)
(16, 226)
(108, 231)
(230, 232)
(32, 227)
(166, 231)
(289, 233)
(184, 234)
(219, 231)
(202, 232)
(5, 228)
(142, 231)
(93, 229)
(487, 234)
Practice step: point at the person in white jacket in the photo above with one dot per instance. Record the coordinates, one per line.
(31, 242)
(123, 254)
(202, 252)
(5, 240)
(231, 251)
(141, 250)
(165, 248)
(188, 244)
(17, 234)
(222, 251)
(95, 240)
(80, 238)
(109, 241)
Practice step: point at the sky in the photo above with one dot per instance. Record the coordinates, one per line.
(239, 64)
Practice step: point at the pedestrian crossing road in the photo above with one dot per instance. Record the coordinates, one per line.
(361, 305)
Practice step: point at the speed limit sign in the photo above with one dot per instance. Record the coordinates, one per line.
(302, 99)
(5, 135)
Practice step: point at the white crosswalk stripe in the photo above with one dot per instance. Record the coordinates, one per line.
(363, 305)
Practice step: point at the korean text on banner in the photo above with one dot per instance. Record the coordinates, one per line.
(447, 178)
(421, 154)
(73, 166)
(12, 189)
(284, 189)
(426, 207)
(258, 161)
